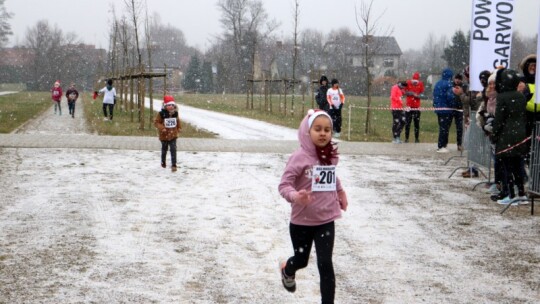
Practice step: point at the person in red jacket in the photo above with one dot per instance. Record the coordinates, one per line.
(56, 95)
(413, 90)
(396, 103)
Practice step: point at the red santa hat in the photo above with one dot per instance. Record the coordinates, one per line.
(168, 99)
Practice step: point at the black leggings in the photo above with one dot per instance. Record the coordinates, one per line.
(398, 122)
(412, 116)
(335, 114)
(302, 238)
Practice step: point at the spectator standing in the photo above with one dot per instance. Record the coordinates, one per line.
(335, 99)
(527, 87)
(321, 94)
(443, 100)
(484, 120)
(460, 88)
(56, 95)
(509, 133)
(72, 95)
(413, 91)
(396, 104)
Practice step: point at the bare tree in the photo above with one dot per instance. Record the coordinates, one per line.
(432, 52)
(245, 23)
(134, 8)
(296, 15)
(369, 27)
(53, 54)
(148, 35)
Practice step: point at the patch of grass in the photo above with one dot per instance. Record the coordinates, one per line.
(18, 108)
(273, 111)
(125, 124)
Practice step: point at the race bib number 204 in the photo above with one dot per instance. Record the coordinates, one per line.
(323, 178)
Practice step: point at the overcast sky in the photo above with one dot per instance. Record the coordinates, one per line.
(412, 20)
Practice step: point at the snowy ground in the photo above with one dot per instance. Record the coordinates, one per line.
(111, 226)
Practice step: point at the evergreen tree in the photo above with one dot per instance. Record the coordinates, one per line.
(193, 75)
(5, 27)
(207, 81)
(457, 53)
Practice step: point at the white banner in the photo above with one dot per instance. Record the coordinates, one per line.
(491, 37)
(537, 79)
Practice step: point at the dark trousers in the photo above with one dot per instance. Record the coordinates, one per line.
(111, 107)
(165, 145)
(458, 118)
(445, 121)
(513, 175)
(398, 122)
(302, 238)
(412, 116)
(71, 107)
(336, 118)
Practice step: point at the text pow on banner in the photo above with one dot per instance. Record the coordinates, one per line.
(491, 37)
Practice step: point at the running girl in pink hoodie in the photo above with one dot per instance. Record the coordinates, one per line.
(310, 184)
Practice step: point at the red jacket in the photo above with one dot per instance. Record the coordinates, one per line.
(414, 88)
(396, 97)
(56, 94)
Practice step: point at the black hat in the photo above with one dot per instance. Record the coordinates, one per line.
(334, 81)
(109, 82)
(484, 76)
(323, 78)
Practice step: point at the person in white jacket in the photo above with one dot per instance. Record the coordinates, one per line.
(109, 97)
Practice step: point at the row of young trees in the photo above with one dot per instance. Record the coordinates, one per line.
(245, 47)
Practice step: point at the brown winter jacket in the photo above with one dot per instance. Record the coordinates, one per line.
(164, 132)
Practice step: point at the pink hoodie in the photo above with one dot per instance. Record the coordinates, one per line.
(325, 205)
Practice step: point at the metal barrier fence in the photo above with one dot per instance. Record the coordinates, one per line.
(478, 146)
(534, 166)
(479, 151)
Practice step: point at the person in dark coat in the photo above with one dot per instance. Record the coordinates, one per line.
(443, 100)
(528, 67)
(72, 94)
(321, 94)
(509, 133)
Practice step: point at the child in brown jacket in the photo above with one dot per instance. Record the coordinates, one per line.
(168, 124)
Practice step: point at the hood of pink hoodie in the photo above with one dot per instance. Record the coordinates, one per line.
(305, 140)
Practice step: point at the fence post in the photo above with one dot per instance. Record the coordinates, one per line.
(349, 124)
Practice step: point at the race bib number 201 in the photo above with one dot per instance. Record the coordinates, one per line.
(323, 178)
